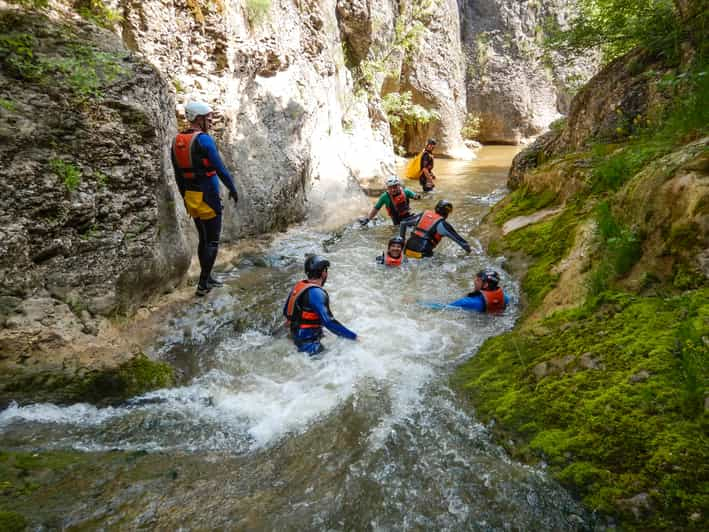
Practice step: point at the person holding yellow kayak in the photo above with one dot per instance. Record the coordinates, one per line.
(421, 167)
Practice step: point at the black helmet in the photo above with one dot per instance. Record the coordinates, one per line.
(444, 207)
(396, 240)
(431, 141)
(314, 266)
(491, 277)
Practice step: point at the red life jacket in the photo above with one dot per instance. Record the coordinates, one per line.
(304, 319)
(391, 261)
(188, 160)
(426, 228)
(400, 206)
(494, 300)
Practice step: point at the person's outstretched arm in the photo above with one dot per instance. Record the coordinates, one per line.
(445, 229)
(319, 301)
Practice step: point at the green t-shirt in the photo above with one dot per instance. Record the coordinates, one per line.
(385, 200)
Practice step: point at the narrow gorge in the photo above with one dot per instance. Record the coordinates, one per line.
(572, 142)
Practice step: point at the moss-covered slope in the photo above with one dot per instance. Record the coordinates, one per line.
(606, 377)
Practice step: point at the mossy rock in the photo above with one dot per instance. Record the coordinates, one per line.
(611, 397)
(12, 521)
(137, 376)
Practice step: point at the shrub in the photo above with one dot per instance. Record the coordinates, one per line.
(98, 12)
(471, 128)
(402, 113)
(257, 11)
(69, 174)
(618, 26)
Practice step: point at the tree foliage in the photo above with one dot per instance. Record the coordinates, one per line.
(618, 26)
(402, 113)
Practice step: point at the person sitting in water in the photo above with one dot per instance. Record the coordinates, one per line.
(430, 228)
(396, 200)
(394, 255)
(487, 296)
(307, 309)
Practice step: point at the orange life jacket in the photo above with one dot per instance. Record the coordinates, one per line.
(400, 206)
(304, 319)
(185, 150)
(494, 300)
(426, 228)
(391, 261)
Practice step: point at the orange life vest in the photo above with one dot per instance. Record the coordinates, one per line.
(188, 160)
(426, 228)
(391, 261)
(494, 300)
(400, 206)
(304, 319)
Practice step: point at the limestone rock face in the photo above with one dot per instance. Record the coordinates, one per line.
(511, 86)
(435, 76)
(291, 132)
(89, 213)
(605, 109)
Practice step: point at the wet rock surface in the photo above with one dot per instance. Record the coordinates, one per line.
(512, 85)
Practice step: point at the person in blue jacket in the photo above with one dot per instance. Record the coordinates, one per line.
(198, 169)
(307, 309)
(487, 296)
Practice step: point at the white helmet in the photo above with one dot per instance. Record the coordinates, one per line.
(195, 109)
(392, 181)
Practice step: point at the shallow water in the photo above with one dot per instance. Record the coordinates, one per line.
(261, 437)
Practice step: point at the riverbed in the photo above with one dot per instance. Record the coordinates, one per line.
(260, 437)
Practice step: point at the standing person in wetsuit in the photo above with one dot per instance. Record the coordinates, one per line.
(198, 169)
(427, 177)
(307, 309)
(430, 228)
(396, 200)
(487, 296)
(394, 255)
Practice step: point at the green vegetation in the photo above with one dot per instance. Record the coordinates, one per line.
(522, 202)
(547, 243)
(83, 71)
(8, 105)
(137, 376)
(620, 249)
(618, 26)
(612, 394)
(67, 172)
(257, 11)
(408, 31)
(471, 128)
(612, 398)
(34, 4)
(101, 178)
(98, 12)
(12, 521)
(403, 113)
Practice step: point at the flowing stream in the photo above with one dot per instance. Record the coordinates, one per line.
(261, 437)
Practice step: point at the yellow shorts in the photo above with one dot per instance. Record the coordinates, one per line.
(197, 207)
(413, 254)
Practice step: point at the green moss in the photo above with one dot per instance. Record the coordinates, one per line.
(142, 374)
(611, 397)
(137, 376)
(12, 521)
(546, 243)
(56, 57)
(523, 202)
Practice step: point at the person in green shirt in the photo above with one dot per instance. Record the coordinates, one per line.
(396, 200)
